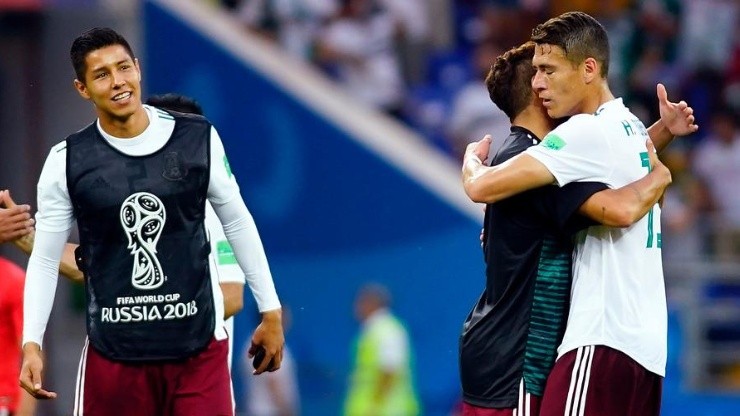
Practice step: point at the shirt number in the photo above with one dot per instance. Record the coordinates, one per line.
(653, 239)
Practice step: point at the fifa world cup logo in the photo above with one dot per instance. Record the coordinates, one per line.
(143, 217)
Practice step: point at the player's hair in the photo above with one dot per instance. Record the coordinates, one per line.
(376, 292)
(579, 35)
(92, 40)
(175, 102)
(509, 81)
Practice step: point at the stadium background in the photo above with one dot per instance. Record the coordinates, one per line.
(341, 193)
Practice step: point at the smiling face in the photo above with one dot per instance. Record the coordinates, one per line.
(560, 83)
(112, 81)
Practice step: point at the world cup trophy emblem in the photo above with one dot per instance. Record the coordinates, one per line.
(142, 218)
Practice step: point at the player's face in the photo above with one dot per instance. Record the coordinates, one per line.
(112, 82)
(557, 81)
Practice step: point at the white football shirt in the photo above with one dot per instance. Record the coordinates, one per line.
(618, 294)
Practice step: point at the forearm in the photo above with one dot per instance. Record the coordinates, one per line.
(241, 232)
(624, 206)
(68, 266)
(660, 135)
(489, 184)
(41, 283)
(233, 298)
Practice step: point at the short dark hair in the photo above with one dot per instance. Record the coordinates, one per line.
(579, 35)
(92, 40)
(509, 80)
(175, 102)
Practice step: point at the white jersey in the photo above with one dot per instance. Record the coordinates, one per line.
(618, 294)
(54, 220)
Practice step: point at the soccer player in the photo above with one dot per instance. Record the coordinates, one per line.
(136, 182)
(509, 339)
(612, 357)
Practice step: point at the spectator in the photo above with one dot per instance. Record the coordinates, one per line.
(717, 163)
(473, 113)
(291, 23)
(412, 40)
(381, 382)
(359, 46)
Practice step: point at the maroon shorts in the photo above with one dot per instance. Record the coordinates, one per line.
(601, 381)
(529, 405)
(199, 385)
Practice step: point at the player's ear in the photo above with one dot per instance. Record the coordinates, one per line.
(590, 70)
(81, 89)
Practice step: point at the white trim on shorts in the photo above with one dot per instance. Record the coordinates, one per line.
(524, 408)
(80, 383)
(575, 404)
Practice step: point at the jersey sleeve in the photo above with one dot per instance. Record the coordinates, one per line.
(41, 283)
(575, 151)
(222, 187)
(568, 199)
(54, 205)
(223, 255)
(239, 228)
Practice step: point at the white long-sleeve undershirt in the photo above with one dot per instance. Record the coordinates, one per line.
(54, 221)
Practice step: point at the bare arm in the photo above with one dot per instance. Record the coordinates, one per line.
(489, 184)
(660, 135)
(233, 298)
(624, 206)
(68, 265)
(24, 236)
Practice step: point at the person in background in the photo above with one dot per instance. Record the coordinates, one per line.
(14, 401)
(381, 383)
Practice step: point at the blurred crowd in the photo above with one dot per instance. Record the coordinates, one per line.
(423, 62)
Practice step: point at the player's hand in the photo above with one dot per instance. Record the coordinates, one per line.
(32, 372)
(480, 148)
(15, 220)
(269, 335)
(677, 117)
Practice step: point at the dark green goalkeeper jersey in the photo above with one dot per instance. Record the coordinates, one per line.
(514, 329)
